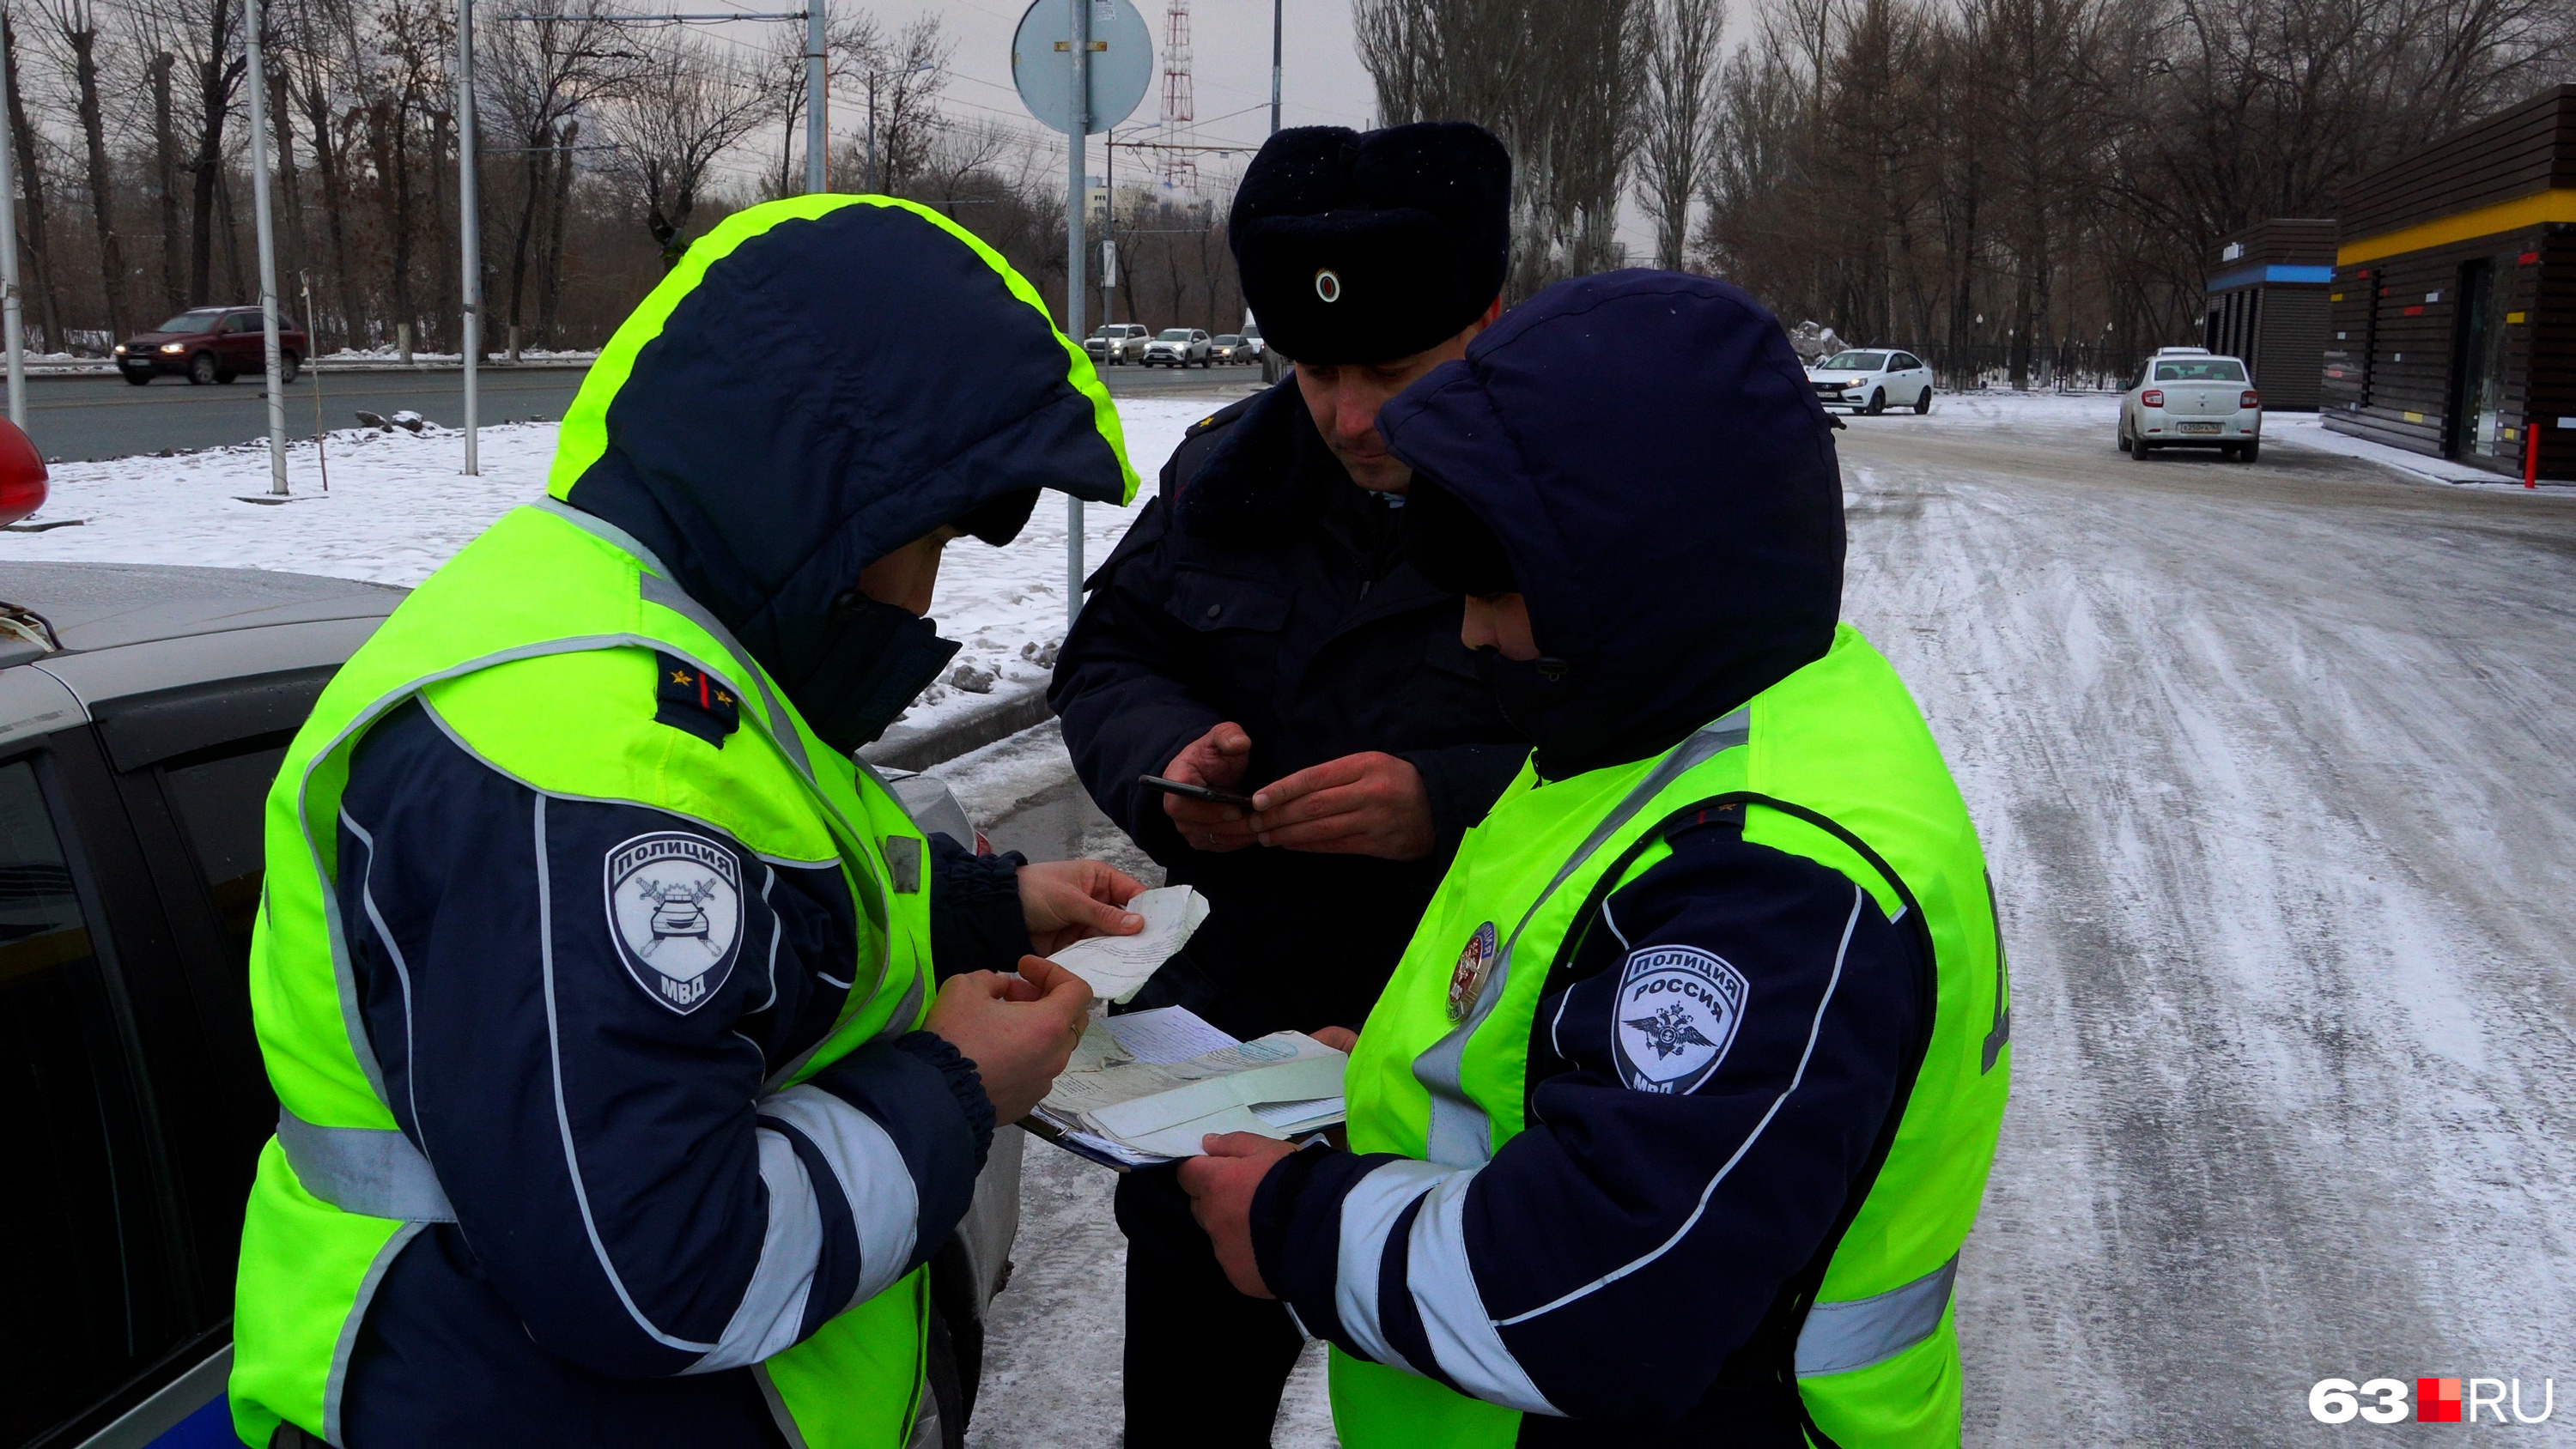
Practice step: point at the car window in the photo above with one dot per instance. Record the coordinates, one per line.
(219, 803)
(1174, 334)
(192, 322)
(86, 1283)
(1905, 360)
(2200, 369)
(1856, 361)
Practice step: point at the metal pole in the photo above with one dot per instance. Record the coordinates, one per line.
(872, 132)
(1274, 66)
(469, 225)
(11, 324)
(1108, 229)
(816, 132)
(1075, 203)
(252, 20)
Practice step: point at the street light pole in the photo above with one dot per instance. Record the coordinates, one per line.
(469, 224)
(12, 325)
(254, 19)
(817, 133)
(1274, 66)
(1076, 203)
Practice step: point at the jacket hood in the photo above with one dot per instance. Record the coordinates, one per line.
(820, 381)
(1648, 452)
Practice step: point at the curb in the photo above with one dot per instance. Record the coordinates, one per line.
(920, 749)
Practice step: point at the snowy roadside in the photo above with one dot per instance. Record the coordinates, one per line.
(2061, 414)
(397, 509)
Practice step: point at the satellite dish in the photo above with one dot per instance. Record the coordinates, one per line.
(1122, 61)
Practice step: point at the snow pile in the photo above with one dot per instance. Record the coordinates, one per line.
(397, 508)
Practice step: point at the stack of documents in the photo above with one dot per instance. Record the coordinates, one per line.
(1119, 966)
(1144, 1088)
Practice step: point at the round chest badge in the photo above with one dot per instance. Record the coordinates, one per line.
(1328, 284)
(1674, 1017)
(1467, 981)
(675, 910)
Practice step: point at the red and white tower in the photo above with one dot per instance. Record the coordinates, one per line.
(1180, 106)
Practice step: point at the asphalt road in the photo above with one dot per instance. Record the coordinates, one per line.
(2270, 764)
(106, 417)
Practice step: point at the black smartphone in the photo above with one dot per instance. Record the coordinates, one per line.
(1195, 792)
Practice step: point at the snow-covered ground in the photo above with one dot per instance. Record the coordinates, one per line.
(397, 508)
(2270, 762)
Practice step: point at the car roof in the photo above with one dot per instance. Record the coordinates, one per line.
(104, 605)
(142, 641)
(2182, 352)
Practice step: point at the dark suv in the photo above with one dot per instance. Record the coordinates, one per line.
(143, 712)
(212, 344)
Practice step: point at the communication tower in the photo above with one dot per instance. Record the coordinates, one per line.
(1180, 106)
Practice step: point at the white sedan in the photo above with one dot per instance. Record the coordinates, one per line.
(1868, 381)
(2188, 397)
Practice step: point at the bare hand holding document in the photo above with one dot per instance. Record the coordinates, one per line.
(1119, 966)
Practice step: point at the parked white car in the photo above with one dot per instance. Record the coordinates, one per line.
(1179, 347)
(2189, 397)
(1873, 380)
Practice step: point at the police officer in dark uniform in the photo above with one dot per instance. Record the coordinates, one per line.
(1259, 631)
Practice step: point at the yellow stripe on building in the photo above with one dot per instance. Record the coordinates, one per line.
(2533, 210)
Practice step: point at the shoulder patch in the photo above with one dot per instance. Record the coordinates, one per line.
(688, 698)
(675, 910)
(1674, 1017)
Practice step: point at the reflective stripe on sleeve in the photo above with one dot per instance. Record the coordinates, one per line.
(1841, 1337)
(884, 1202)
(791, 1246)
(1369, 1211)
(1453, 1313)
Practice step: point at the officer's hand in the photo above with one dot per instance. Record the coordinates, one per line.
(1065, 901)
(1215, 759)
(1221, 1186)
(1366, 804)
(1339, 1038)
(1017, 1030)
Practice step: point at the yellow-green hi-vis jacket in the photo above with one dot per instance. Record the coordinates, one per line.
(589, 968)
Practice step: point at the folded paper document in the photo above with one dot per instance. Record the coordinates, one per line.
(1119, 966)
(1146, 1087)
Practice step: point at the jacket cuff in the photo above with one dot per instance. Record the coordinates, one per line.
(930, 1100)
(976, 923)
(1463, 782)
(1297, 1233)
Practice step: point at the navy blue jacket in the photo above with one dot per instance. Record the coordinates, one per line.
(1264, 587)
(1623, 1269)
(638, 1216)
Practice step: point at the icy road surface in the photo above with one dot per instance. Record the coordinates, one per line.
(2270, 762)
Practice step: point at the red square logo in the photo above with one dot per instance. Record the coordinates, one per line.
(2437, 1401)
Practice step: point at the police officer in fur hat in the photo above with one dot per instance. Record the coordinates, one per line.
(1260, 631)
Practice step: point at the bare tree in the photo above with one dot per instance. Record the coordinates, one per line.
(536, 76)
(1567, 109)
(31, 188)
(684, 108)
(75, 29)
(1680, 117)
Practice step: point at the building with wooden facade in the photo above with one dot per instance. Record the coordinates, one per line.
(2266, 304)
(2453, 305)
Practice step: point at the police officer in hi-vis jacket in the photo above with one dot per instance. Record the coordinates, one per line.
(1670, 1125)
(633, 1049)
